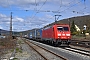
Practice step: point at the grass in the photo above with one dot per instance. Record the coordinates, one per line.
(81, 37)
(12, 50)
(18, 50)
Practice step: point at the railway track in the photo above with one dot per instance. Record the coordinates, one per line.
(81, 43)
(67, 52)
(80, 51)
(46, 54)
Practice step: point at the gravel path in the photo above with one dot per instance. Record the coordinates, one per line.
(24, 52)
(27, 53)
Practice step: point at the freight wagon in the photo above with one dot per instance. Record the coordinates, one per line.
(35, 34)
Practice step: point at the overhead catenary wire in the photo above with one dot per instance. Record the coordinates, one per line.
(35, 5)
(68, 7)
(49, 10)
(39, 9)
(71, 6)
(85, 3)
(82, 11)
(44, 4)
(59, 12)
(44, 10)
(60, 6)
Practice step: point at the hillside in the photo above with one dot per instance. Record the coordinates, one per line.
(4, 32)
(80, 21)
(7, 33)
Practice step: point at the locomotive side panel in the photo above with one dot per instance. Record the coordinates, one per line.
(47, 33)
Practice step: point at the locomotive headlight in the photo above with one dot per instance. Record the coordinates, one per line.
(67, 34)
(59, 34)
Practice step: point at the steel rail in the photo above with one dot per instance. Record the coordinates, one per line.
(28, 42)
(83, 52)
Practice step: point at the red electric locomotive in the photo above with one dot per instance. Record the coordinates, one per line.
(57, 34)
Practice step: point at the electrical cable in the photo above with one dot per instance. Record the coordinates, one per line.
(40, 8)
(70, 7)
(82, 10)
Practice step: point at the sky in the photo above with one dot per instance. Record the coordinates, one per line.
(30, 14)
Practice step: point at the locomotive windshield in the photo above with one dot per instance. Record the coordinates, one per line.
(63, 28)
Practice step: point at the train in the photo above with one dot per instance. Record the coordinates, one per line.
(57, 34)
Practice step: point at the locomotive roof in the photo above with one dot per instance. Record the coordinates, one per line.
(55, 24)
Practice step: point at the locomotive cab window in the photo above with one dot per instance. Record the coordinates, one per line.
(62, 28)
(66, 28)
